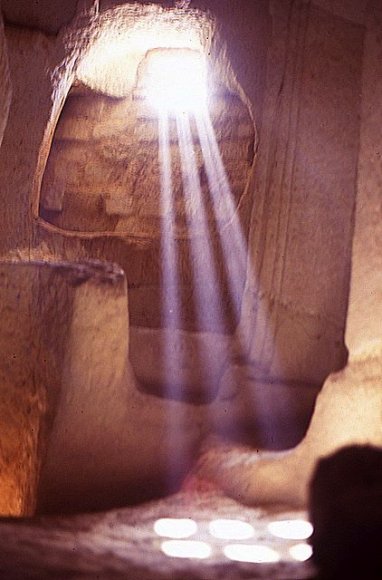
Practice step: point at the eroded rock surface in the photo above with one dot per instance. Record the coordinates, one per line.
(348, 408)
(104, 173)
(122, 544)
(5, 83)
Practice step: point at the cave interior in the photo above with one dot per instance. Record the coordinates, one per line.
(190, 281)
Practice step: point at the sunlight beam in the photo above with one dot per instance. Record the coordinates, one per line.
(234, 247)
(172, 362)
(232, 238)
(207, 289)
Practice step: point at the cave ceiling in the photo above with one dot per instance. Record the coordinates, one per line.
(50, 15)
(45, 15)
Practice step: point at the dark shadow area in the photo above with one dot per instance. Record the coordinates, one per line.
(346, 512)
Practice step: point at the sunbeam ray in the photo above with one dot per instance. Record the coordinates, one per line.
(207, 289)
(234, 247)
(232, 238)
(214, 297)
(170, 302)
(172, 362)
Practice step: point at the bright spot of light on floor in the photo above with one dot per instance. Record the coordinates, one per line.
(291, 529)
(175, 527)
(226, 529)
(251, 553)
(186, 549)
(301, 552)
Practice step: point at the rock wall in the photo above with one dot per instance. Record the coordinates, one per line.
(364, 322)
(110, 444)
(142, 260)
(35, 312)
(5, 95)
(104, 175)
(348, 408)
(48, 16)
(293, 314)
(296, 298)
(294, 311)
(28, 121)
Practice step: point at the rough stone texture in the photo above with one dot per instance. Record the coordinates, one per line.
(95, 457)
(35, 309)
(28, 121)
(142, 262)
(347, 412)
(45, 63)
(123, 544)
(5, 95)
(111, 443)
(46, 15)
(21, 165)
(348, 409)
(69, 402)
(363, 327)
(244, 29)
(353, 10)
(104, 173)
(22, 398)
(192, 368)
(296, 296)
(125, 33)
(271, 414)
(77, 408)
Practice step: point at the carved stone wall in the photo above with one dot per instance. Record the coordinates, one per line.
(35, 303)
(364, 323)
(142, 261)
(302, 222)
(5, 94)
(28, 122)
(348, 408)
(293, 315)
(104, 174)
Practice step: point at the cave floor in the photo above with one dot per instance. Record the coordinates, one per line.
(122, 543)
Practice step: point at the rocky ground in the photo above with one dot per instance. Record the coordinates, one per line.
(123, 544)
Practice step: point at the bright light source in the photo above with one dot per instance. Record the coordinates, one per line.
(176, 80)
(186, 549)
(301, 552)
(175, 527)
(225, 529)
(291, 529)
(251, 553)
